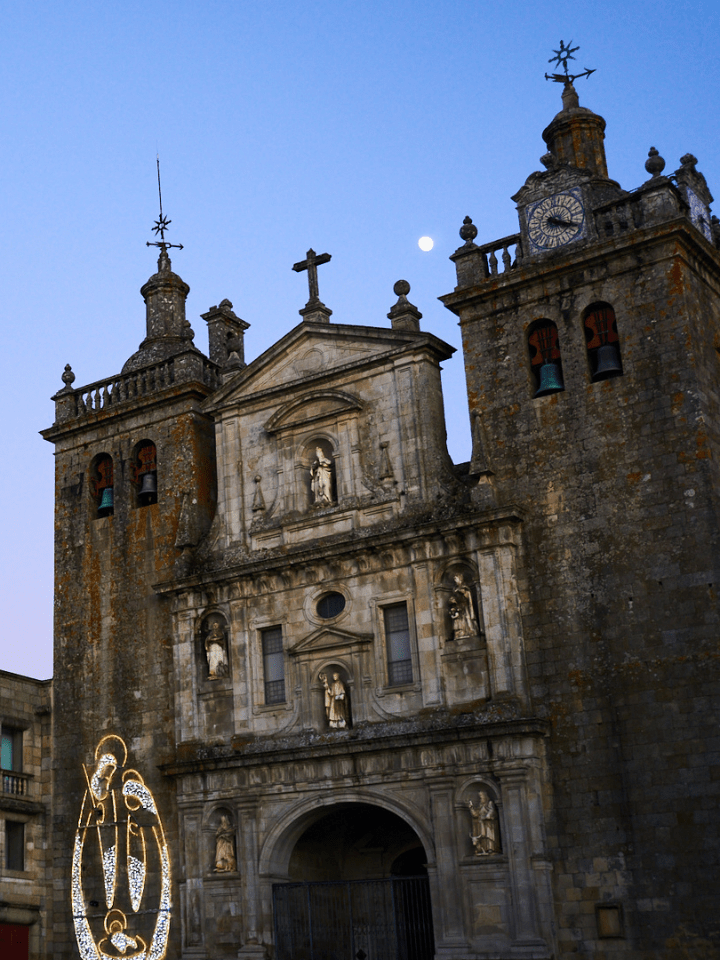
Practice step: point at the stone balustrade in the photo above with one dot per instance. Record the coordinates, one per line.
(103, 394)
(499, 252)
(14, 783)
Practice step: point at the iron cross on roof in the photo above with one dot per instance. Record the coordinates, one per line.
(311, 264)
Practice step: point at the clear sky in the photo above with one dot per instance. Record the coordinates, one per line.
(352, 127)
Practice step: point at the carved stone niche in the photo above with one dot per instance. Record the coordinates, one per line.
(482, 818)
(221, 843)
(464, 653)
(335, 694)
(213, 649)
(458, 595)
(318, 473)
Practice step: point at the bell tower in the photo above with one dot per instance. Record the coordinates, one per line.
(135, 491)
(591, 340)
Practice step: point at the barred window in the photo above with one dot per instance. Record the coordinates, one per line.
(273, 665)
(397, 642)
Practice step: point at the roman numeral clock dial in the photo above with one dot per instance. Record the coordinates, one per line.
(555, 221)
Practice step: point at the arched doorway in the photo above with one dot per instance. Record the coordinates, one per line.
(358, 890)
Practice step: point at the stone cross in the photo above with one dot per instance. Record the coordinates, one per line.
(311, 265)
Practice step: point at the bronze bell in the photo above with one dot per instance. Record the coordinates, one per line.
(148, 488)
(551, 380)
(105, 507)
(608, 362)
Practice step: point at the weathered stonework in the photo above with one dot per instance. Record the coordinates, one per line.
(524, 631)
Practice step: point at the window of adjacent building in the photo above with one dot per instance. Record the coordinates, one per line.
(273, 665)
(14, 845)
(545, 359)
(11, 749)
(397, 644)
(101, 485)
(602, 342)
(145, 473)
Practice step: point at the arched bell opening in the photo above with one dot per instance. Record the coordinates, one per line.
(602, 342)
(358, 888)
(545, 358)
(102, 485)
(144, 473)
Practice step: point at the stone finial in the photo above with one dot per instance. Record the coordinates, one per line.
(654, 163)
(570, 99)
(547, 160)
(468, 231)
(689, 161)
(68, 377)
(403, 314)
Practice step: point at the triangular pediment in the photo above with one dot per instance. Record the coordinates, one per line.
(311, 351)
(329, 638)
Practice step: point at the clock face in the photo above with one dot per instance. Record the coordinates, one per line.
(699, 213)
(556, 220)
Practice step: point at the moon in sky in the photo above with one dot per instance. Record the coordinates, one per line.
(426, 243)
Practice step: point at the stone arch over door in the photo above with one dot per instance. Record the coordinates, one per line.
(355, 876)
(278, 846)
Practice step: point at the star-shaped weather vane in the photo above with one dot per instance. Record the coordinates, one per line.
(561, 58)
(162, 223)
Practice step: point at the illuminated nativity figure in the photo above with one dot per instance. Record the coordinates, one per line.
(215, 651)
(485, 834)
(321, 479)
(336, 702)
(225, 860)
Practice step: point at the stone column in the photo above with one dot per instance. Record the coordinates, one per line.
(445, 890)
(501, 613)
(517, 843)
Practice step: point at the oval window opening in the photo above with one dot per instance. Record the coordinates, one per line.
(331, 605)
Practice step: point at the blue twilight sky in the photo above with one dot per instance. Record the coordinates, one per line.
(351, 127)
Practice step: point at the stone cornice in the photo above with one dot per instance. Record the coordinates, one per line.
(385, 738)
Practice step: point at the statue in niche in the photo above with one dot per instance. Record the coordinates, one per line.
(336, 703)
(216, 652)
(461, 610)
(485, 834)
(225, 861)
(321, 479)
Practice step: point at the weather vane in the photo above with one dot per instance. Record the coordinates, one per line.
(561, 58)
(162, 222)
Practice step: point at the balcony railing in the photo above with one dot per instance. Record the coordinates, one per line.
(15, 783)
(505, 251)
(103, 394)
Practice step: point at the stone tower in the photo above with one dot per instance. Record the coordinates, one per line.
(135, 490)
(591, 342)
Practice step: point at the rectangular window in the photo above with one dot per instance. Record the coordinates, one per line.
(273, 665)
(397, 642)
(14, 845)
(11, 749)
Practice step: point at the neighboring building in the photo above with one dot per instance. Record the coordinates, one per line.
(24, 813)
(321, 693)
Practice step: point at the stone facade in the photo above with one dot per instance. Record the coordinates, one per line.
(24, 812)
(618, 481)
(305, 657)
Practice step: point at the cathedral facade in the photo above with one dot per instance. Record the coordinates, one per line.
(322, 693)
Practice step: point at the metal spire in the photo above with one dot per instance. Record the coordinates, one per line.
(162, 223)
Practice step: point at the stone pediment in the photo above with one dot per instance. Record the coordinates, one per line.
(326, 639)
(311, 351)
(544, 183)
(311, 408)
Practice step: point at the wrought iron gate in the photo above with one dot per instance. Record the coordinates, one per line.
(354, 920)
